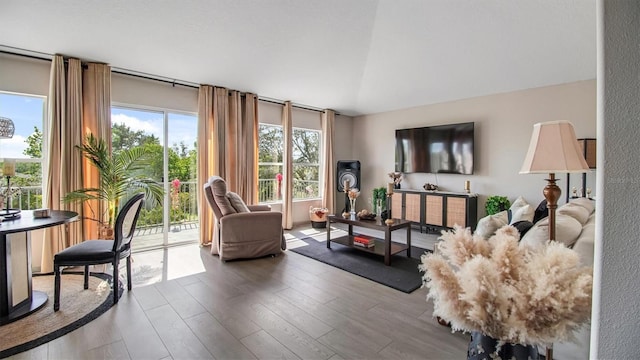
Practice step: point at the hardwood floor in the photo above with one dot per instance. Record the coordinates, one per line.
(187, 304)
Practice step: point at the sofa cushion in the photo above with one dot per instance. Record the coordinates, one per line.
(488, 225)
(584, 202)
(584, 245)
(567, 231)
(237, 203)
(574, 210)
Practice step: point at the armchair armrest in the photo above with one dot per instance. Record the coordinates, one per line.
(251, 226)
(253, 208)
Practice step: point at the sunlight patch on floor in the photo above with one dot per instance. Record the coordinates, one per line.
(154, 266)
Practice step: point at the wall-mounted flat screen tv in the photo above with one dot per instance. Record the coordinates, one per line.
(435, 149)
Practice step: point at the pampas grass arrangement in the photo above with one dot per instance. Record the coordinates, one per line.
(515, 294)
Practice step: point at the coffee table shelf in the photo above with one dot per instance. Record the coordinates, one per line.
(384, 247)
(377, 249)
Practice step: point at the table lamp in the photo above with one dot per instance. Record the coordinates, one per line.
(553, 148)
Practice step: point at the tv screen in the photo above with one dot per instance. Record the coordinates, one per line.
(435, 149)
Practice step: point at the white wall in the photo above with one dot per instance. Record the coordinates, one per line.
(616, 303)
(503, 126)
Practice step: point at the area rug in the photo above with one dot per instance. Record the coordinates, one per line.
(77, 308)
(402, 274)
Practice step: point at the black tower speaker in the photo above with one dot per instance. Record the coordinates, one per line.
(348, 170)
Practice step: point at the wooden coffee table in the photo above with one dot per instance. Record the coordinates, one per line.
(384, 246)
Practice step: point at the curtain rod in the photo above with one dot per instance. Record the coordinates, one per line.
(48, 57)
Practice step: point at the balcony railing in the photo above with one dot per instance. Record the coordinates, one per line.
(270, 190)
(184, 203)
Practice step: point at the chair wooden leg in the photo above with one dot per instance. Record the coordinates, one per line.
(115, 281)
(56, 291)
(129, 273)
(86, 277)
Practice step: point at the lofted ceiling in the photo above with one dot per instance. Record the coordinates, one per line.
(355, 56)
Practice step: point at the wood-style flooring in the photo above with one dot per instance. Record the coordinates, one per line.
(187, 304)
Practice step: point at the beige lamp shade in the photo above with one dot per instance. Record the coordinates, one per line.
(554, 149)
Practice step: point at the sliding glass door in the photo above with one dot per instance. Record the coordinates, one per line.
(169, 139)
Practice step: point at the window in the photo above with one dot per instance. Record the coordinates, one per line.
(270, 152)
(25, 147)
(306, 163)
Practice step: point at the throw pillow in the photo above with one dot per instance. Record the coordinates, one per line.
(237, 202)
(488, 225)
(575, 211)
(522, 226)
(567, 231)
(519, 203)
(525, 213)
(540, 212)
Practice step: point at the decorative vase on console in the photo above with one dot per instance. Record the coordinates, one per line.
(353, 195)
(352, 206)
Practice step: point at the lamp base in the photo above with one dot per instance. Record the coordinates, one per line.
(10, 214)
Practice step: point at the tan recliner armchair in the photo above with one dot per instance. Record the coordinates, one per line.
(241, 231)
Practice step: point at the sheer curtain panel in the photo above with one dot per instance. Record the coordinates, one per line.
(328, 176)
(287, 158)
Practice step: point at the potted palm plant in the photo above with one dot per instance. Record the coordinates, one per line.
(119, 174)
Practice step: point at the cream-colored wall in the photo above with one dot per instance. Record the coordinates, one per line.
(20, 74)
(137, 91)
(503, 126)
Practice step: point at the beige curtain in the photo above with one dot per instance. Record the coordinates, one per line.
(227, 147)
(54, 238)
(96, 110)
(205, 163)
(63, 162)
(328, 193)
(71, 159)
(248, 150)
(287, 171)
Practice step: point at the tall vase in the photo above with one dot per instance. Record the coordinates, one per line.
(352, 205)
(483, 347)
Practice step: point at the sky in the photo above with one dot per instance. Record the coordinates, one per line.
(26, 112)
(29, 111)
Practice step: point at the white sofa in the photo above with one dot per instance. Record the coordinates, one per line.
(575, 227)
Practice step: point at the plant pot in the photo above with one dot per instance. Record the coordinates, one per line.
(483, 347)
(318, 224)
